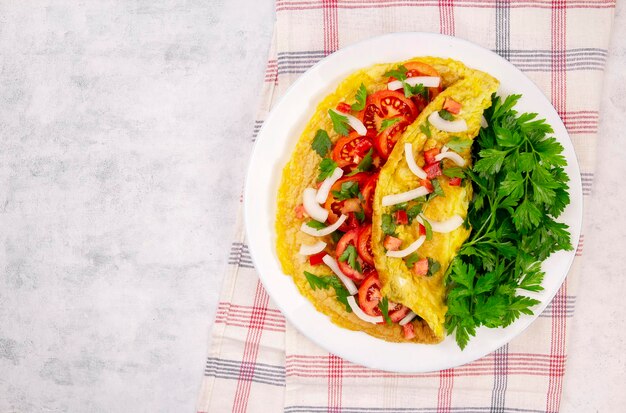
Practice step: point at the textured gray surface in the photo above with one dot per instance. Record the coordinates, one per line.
(124, 130)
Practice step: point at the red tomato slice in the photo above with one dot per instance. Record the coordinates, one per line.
(336, 207)
(386, 140)
(452, 106)
(421, 267)
(427, 184)
(368, 195)
(409, 331)
(350, 150)
(343, 107)
(316, 259)
(433, 170)
(429, 156)
(349, 238)
(401, 217)
(422, 230)
(392, 243)
(365, 244)
(455, 181)
(386, 104)
(369, 297)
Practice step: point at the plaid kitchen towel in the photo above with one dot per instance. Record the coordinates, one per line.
(258, 363)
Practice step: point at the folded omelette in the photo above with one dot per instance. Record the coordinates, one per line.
(372, 203)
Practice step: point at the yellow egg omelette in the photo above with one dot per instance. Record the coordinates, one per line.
(366, 232)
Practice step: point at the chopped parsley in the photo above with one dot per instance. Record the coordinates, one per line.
(316, 224)
(327, 167)
(350, 255)
(361, 96)
(324, 282)
(383, 305)
(433, 266)
(425, 128)
(429, 229)
(419, 89)
(445, 115)
(437, 190)
(365, 164)
(340, 122)
(399, 73)
(413, 211)
(349, 189)
(454, 172)
(321, 143)
(387, 123)
(388, 225)
(411, 260)
(459, 144)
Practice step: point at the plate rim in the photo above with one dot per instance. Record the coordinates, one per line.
(575, 186)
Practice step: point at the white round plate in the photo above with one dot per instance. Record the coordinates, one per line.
(275, 144)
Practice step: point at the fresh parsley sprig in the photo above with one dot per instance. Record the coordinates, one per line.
(324, 282)
(520, 188)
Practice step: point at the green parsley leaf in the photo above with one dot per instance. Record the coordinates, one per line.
(445, 115)
(316, 224)
(349, 189)
(317, 282)
(429, 229)
(425, 128)
(388, 225)
(350, 255)
(411, 260)
(340, 123)
(437, 190)
(361, 96)
(336, 236)
(399, 207)
(458, 144)
(387, 123)
(410, 91)
(454, 172)
(327, 167)
(360, 215)
(383, 305)
(399, 73)
(413, 211)
(433, 266)
(365, 164)
(321, 143)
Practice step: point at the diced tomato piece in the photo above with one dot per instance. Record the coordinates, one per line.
(300, 211)
(429, 156)
(316, 259)
(344, 107)
(455, 181)
(452, 106)
(433, 170)
(427, 184)
(392, 243)
(409, 331)
(422, 230)
(401, 217)
(421, 267)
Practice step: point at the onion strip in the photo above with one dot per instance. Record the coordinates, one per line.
(443, 227)
(324, 231)
(454, 126)
(361, 314)
(426, 81)
(312, 249)
(394, 199)
(408, 250)
(324, 189)
(410, 160)
(453, 156)
(311, 206)
(407, 319)
(332, 264)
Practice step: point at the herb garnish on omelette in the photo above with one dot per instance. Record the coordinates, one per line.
(373, 205)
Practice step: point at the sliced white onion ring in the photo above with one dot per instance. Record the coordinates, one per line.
(444, 149)
(483, 122)
(394, 199)
(311, 206)
(410, 160)
(443, 227)
(361, 314)
(426, 81)
(408, 250)
(356, 124)
(312, 249)
(454, 126)
(324, 189)
(324, 231)
(407, 319)
(332, 264)
(453, 156)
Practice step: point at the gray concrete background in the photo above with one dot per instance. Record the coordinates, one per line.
(124, 130)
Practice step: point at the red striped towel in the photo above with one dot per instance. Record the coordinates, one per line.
(258, 363)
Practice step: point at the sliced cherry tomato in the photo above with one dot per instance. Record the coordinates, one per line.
(429, 156)
(421, 267)
(452, 106)
(433, 170)
(316, 259)
(409, 331)
(401, 217)
(343, 107)
(392, 243)
(369, 295)
(386, 140)
(350, 150)
(386, 104)
(427, 184)
(455, 181)
(349, 238)
(368, 194)
(365, 244)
